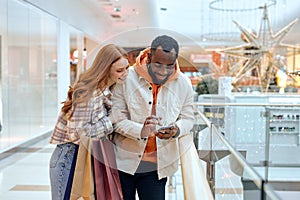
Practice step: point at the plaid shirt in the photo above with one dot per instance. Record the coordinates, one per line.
(89, 119)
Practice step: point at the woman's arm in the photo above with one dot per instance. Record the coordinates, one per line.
(91, 119)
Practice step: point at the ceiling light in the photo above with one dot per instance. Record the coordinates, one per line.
(231, 5)
(117, 9)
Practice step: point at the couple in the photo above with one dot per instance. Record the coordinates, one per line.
(150, 111)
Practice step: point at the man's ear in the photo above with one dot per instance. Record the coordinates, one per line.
(148, 57)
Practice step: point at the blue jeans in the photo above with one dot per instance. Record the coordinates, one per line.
(62, 165)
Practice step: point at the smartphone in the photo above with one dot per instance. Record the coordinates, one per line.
(164, 128)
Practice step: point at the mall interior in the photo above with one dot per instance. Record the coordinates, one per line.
(242, 58)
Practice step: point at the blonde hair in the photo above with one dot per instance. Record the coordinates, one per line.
(96, 77)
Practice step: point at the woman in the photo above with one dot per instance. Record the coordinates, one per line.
(85, 113)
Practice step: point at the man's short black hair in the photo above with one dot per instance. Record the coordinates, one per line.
(167, 43)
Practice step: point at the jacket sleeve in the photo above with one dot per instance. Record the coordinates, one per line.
(91, 119)
(121, 117)
(185, 120)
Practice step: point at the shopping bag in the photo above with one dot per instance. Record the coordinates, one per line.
(108, 186)
(83, 181)
(194, 181)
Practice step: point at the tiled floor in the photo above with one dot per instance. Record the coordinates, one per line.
(25, 175)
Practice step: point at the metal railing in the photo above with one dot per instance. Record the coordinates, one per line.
(249, 180)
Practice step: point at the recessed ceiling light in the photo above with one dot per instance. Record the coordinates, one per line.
(117, 9)
(135, 11)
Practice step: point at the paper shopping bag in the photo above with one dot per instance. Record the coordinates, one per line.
(108, 186)
(195, 184)
(83, 186)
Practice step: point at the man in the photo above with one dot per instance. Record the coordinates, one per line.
(155, 95)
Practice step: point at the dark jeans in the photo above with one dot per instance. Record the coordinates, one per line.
(146, 184)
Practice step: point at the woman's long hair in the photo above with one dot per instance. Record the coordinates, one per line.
(95, 77)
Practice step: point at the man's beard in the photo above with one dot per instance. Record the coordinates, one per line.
(154, 79)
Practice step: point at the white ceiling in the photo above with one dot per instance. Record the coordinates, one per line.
(193, 21)
(138, 22)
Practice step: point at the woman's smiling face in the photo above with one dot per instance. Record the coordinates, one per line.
(118, 71)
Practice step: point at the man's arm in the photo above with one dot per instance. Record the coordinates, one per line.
(121, 115)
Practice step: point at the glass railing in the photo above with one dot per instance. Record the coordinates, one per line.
(250, 150)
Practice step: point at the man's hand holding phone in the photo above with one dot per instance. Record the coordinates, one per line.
(150, 124)
(166, 132)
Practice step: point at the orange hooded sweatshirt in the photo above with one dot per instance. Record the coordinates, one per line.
(141, 69)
